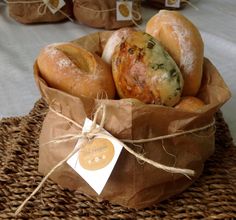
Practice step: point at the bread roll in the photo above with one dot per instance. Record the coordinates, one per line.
(114, 40)
(142, 69)
(72, 69)
(183, 42)
(190, 104)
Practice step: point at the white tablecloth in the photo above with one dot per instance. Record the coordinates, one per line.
(20, 44)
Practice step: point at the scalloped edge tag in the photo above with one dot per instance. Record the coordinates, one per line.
(54, 5)
(124, 10)
(96, 161)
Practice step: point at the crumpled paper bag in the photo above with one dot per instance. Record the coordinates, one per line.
(133, 183)
(35, 12)
(167, 4)
(102, 13)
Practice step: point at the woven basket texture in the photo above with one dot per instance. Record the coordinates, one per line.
(212, 196)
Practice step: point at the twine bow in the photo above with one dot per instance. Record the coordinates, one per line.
(97, 131)
(43, 6)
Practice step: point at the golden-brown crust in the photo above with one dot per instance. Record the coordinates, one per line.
(131, 76)
(190, 104)
(115, 39)
(142, 69)
(183, 42)
(74, 70)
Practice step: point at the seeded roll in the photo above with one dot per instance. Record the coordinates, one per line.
(142, 69)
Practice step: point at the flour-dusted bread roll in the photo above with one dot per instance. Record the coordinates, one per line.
(142, 69)
(183, 42)
(115, 39)
(72, 69)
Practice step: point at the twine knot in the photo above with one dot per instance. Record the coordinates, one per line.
(42, 9)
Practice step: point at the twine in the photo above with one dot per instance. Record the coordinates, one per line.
(170, 135)
(97, 131)
(95, 10)
(42, 9)
(111, 9)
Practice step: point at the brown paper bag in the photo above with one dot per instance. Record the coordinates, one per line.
(102, 13)
(167, 4)
(133, 183)
(31, 11)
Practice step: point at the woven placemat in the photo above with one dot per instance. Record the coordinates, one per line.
(212, 196)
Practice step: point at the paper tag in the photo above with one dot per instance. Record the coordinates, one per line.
(124, 10)
(54, 5)
(95, 161)
(172, 3)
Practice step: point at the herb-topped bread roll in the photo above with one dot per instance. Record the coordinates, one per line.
(72, 69)
(116, 37)
(142, 69)
(183, 42)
